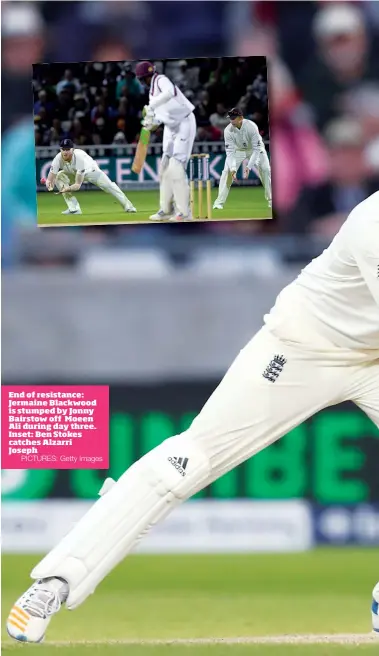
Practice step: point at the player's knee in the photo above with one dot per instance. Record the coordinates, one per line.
(181, 466)
(178, 160)
(62, 178)
(177, 168)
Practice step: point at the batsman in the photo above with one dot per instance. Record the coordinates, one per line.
(169, 106)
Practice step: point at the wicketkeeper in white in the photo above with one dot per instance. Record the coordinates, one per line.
(170, 107)
(73, 166)
(319, 347)
(243, 142)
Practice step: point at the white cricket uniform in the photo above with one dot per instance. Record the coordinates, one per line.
(84, 164)
(241, 144)
(175, 111)
(319, 347)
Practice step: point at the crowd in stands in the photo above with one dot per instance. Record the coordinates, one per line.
(101, 103)
(323, 92)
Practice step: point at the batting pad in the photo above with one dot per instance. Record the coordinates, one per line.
(166, 191)
(179, 185)
(143, 496)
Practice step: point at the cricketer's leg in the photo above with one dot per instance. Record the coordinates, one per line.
(62, 180)
(364, 391)
(101, 180)
(166, 199)
(264, 170)
(272, 386)
(183, 144)
(226, 182)
(375, 609)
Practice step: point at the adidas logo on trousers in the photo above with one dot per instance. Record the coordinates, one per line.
(180, 464)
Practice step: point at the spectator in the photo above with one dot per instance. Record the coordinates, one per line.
(363, 104)
(119, 138)
(349, 181)
(79, 134)
(300, 159)
(37, 136)
(208, 133)
(104, 130)
(345, 57)
(80, 108)
(127, 84)
(101, 111)
(40, 122)
(219, 119)
(55, 134)
(43, 102)
(64, 101)
(202, 111)
(68, 80)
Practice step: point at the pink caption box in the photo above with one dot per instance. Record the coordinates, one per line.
(54, 427)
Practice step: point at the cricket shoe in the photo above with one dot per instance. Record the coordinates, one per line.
(177, 218)
(375, 609)
(131, 209)
(72, 212)
(31, 614)
(160, 216)
(218, 206)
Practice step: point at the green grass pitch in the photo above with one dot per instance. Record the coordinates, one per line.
(100, 208)
(194, 597)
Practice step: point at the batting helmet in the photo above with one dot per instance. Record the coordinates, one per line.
(144, 69)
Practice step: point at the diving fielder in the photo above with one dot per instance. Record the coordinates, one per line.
(243, 141)
(170, 107)
(73, 166)
(319, 347)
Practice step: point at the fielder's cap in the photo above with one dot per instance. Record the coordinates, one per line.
(66, 144)
(144, 69)
(234, 113)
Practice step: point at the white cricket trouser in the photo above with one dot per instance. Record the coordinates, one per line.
(258, 401)
(177, 145)
(264, 171)
(97, 178)
(274, 384)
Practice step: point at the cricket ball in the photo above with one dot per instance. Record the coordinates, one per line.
(43, 180)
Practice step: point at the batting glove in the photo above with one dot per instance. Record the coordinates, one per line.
(148, 123)
(148, 112)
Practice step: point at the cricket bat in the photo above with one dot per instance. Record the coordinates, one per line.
(141, 151)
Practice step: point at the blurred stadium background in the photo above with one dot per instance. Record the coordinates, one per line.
(159, 312)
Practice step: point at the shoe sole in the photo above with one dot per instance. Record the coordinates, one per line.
(22, 638)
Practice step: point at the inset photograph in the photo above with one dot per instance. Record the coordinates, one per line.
(152, 141)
